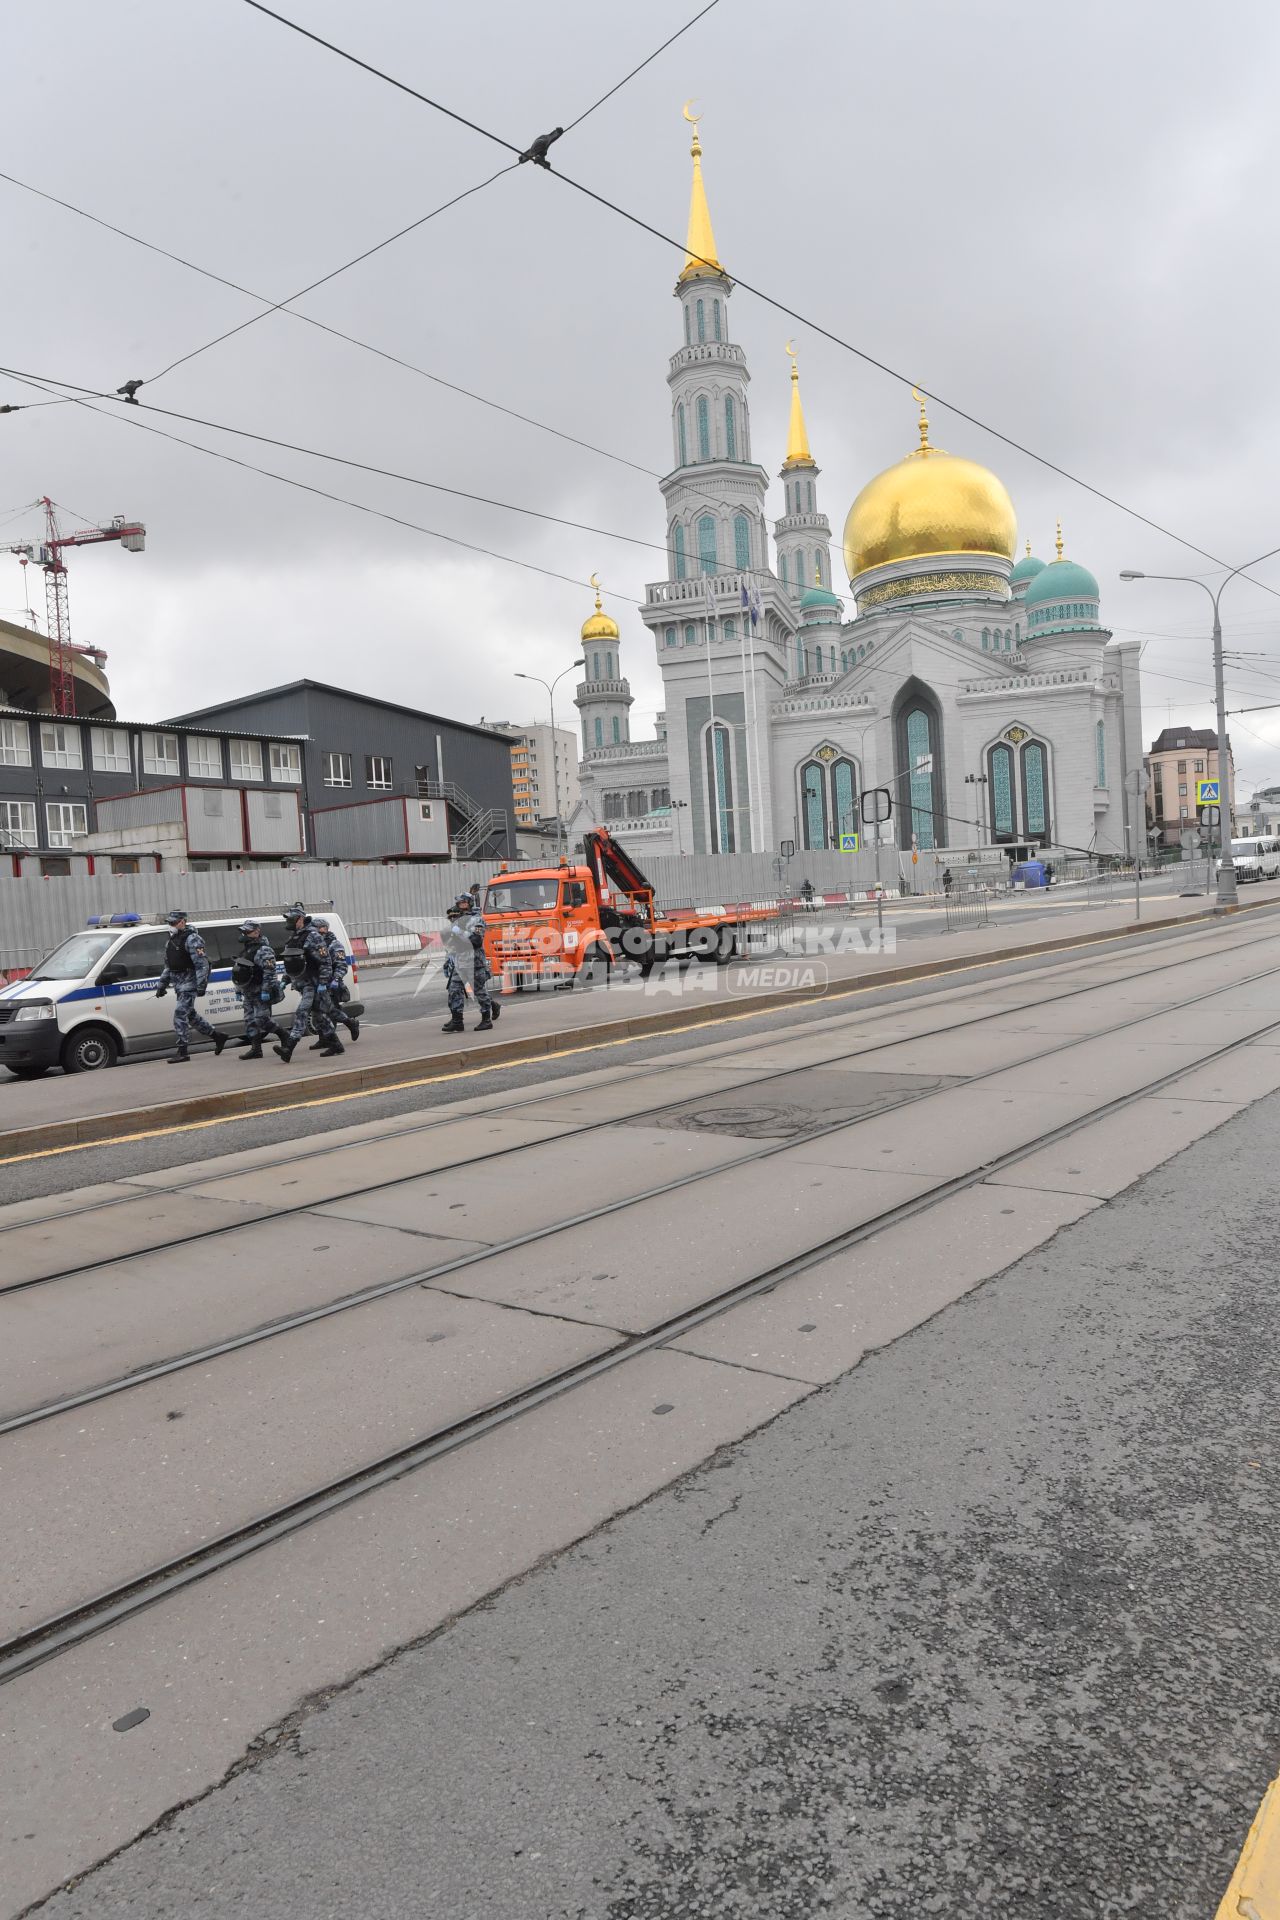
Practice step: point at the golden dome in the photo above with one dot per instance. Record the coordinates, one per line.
(930, 503)
(598, 625)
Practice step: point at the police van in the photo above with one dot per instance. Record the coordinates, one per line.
(94, 997)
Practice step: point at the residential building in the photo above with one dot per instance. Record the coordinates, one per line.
(542, 768)
(1176, 759)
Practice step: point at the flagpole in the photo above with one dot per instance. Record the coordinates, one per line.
(713, 784)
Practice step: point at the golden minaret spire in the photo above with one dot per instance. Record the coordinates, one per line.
(798, 454)
(700, 247)
(924, 446)
(1059, 540)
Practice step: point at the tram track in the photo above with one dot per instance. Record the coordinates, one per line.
(432, 1275)
(645, 1070)
(82, 1621)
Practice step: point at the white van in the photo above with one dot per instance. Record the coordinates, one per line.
(1255, 859)
(94, 997)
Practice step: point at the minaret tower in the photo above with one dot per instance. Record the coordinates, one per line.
(803, 535)
(714, 494)
(603, 697)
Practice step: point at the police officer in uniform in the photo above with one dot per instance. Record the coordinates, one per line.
(308, 966)
(339, 993)
(464, 959)
(186, 970)
(253, 972)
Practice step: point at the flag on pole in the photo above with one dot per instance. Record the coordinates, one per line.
(709, 600)
(755, 604)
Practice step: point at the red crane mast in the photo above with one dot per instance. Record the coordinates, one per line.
(132, 536)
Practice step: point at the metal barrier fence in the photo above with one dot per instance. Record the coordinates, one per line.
(966, 907)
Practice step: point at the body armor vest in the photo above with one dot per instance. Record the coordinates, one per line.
(176, 957)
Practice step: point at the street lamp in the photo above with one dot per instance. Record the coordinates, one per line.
(551, 686)
(1226, 869)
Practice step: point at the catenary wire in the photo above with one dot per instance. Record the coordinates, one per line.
(779, 306)
(617, 88)
(214, 453)
(291, 313)
(325, 278)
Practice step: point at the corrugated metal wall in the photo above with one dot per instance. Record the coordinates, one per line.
(35, 914)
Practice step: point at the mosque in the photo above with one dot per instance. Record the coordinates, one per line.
(980, 688)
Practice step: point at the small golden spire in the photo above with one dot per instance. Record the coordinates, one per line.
(817, 575)
(798, 454)
(595, 581)
(924, 446)
(1059, 540)
(1028, 549)
(700, 247)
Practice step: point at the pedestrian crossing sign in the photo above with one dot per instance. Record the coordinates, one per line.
(1207, 794)
(848, 843)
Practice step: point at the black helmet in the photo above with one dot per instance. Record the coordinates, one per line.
(295, 912)
(463, 904)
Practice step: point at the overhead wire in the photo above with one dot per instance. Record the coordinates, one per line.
(617, 88)
(779, 306)
(132, 419)
(325, 278)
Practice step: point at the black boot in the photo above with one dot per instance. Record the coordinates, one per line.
(330, 1046)
(253, 1052)
(315, 1046)
(454, 1025)
(484, 1025)
(494, 1009)
(219, 1042)
(286, 1047)
(353, 1028)
(179, 1054)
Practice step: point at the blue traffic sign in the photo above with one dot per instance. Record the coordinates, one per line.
(1207, 793)
(848, 843)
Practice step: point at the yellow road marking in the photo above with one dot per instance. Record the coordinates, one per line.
(559, 1053)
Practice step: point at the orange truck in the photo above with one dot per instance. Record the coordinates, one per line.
(554, 926)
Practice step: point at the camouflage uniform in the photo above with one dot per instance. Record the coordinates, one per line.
(186, 970)
(257, 997)
(465, 959)
(340, 960)
(313, 1000)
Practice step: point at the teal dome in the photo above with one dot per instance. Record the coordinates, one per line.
(818, 597)
(1062, 580)
(1027, 569)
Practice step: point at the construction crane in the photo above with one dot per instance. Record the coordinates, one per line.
(132, 536)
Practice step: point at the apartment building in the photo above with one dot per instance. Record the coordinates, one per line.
(1175, 761)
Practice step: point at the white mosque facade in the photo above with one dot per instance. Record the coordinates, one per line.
(982, 690)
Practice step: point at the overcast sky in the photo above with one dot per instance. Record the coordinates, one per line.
(1061, 219)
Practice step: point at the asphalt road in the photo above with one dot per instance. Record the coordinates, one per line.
(987, 1625)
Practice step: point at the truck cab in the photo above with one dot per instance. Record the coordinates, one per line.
(577, 921)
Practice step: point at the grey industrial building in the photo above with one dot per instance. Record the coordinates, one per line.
(302, 769)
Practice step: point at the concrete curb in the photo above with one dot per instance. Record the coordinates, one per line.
(102, 1128)
(1254, 1892)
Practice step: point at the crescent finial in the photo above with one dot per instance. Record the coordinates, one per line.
(790, 348)
(692, 118)
(595, 581)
